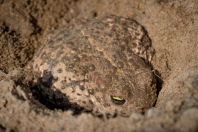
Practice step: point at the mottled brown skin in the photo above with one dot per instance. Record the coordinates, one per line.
(101, 65)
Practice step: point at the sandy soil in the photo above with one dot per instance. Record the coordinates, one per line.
(172, 26)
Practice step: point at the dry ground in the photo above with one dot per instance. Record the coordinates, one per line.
(173, 27)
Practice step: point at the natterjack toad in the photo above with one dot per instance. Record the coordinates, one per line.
(101, 65)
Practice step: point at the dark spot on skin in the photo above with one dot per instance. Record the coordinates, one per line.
(91, 67)
(97, 89)
(55, 79)
(62, 87)
(76, 59)
(76, 74)
(94, 13)
(84, 102)
(84, 70)
(63, 82)
(73, 90)
(101, 53)
(60, 70)
(137, 34)
(91, 102)
(82, 87)
(123, 113)
(82, 56)
(79, 94)
(98, 99)
(134, 44)
(91, 91)
(71, 66)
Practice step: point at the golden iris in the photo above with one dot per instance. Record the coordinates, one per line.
(118, 100)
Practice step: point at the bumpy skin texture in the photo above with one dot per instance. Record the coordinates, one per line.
(101, 65)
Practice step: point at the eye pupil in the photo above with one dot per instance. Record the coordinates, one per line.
(118, 100)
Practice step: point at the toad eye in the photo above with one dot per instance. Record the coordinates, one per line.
(118, 100)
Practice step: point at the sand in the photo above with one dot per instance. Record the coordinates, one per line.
(172, 26)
